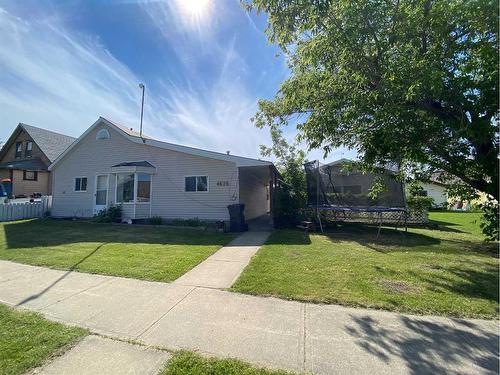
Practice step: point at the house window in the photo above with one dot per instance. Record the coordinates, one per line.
(102, 134)
(124, 187)
(143, 187)
(30, 175)
(196, 183)
(81, 184)
(352, 189)
(19, 149)
(29, 149)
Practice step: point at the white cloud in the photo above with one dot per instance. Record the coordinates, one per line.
(58, 80)
(55, 78)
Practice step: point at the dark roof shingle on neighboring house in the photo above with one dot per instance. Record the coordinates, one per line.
(30, 165)
(51, 143)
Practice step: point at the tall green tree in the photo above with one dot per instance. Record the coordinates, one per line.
(406, 80)
(291, 197)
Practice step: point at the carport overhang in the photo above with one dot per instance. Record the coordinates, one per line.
(266, 175)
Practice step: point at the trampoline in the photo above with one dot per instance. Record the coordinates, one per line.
(344, 194)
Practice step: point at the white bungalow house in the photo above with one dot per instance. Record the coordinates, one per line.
(113, 165)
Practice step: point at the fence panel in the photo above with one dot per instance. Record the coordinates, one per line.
(12, 211)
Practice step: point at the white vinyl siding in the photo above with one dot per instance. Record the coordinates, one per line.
(436, 192)
(254, 194)
(168, 198)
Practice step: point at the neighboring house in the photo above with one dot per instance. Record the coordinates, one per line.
(25, 158)
(113, 165)
(344, 185)
(437, 191)
(354, 186)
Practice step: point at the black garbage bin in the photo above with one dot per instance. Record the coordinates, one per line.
(237, 218)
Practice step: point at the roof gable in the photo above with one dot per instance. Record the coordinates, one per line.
(52, 144)
(135, 137)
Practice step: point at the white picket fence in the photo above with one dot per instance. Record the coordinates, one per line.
(25, 210)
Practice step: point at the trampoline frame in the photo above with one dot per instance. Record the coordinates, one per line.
(344, 209)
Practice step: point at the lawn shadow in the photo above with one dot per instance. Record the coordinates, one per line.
(66, 274)
(289, 237)
(429, 347)
(389, 240)
(396, 240)
(462, 280)
(444, 226)
(49, 232)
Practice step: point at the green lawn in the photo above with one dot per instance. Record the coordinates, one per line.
(189, 363)
(447, 270)
(27, 340)
(142, 252)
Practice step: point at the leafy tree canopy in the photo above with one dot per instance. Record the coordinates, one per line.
(406, 80)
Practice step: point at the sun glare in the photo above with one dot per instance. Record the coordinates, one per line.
(194, 6)
(196, 9)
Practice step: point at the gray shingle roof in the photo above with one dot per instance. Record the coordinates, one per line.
(51, 143)
(129, 131)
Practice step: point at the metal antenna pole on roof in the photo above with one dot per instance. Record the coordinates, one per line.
(141, 86)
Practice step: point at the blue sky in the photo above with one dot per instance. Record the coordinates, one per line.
(205, 64)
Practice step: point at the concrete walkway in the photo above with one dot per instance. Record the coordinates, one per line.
(96, 355)
(324, 339)
(223, 268)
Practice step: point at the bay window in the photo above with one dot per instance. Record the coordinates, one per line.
(133, 187)
(143, 187)
(125, 187)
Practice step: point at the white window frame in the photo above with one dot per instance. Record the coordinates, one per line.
(134, 201)
(29, 149)
(197, 191)
(18, 153)
(136, 181)
(86, 186)
(107, 186)
(116, 188)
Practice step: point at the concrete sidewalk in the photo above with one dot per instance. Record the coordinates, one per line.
(96, 355)
(221, 269)
(322, 339)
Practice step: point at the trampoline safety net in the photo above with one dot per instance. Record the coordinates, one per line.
(331, 187)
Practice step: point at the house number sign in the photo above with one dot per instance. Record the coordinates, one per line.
(222, 183)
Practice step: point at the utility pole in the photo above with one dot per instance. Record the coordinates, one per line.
(141, 86)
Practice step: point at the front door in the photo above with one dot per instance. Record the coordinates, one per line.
(101, 193)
